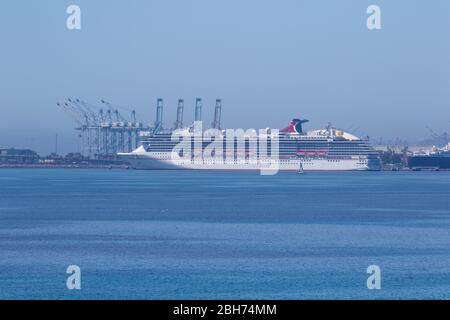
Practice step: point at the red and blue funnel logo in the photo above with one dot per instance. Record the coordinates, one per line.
(295, 126)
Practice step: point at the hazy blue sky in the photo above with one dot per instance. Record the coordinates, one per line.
(269, 61)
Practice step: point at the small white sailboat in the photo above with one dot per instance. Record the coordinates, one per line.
(300, 169)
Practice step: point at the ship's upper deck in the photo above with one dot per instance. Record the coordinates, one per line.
(328, 134)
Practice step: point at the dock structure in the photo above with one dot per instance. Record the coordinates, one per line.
(104, 130)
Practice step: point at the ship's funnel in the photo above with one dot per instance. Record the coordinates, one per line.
(217, 114)
(159, 116)
(180, 111)
(295, 126)
(198, 110)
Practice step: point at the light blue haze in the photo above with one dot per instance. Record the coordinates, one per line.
(269, 61)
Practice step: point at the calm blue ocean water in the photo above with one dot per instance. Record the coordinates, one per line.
(194, 235)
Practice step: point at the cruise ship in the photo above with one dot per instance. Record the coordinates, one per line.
(288, 149)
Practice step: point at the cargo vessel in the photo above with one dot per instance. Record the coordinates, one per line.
(436, 159)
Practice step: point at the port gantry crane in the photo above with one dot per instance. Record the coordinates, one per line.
(103, 131)
(216, 124)
(77, 119)
(93, 129)
(83, 121)
(440, 139)
(125, 131)
(180, 111)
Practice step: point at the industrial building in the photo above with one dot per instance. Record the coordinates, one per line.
(18, 156)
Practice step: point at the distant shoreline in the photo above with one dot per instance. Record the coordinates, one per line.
(61, 166)
(126, 167)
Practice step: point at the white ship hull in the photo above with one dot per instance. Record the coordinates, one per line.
(163, 161)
